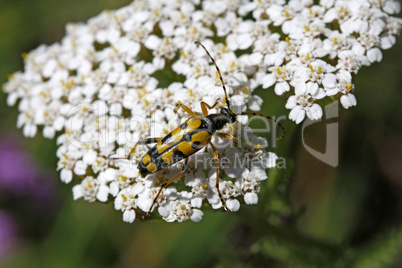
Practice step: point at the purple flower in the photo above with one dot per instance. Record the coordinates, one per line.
(19, 176)
(16, 170)
(8, 234)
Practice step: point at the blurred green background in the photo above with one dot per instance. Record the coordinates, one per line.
(310, 214)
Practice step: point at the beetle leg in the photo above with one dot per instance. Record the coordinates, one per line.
(166, 183)
(227, 136)
(143, 141)
(216, 158)
(205, 107)
(184, 107)
(185, 166)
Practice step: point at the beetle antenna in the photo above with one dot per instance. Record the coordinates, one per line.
(271, 118)
(219, 72)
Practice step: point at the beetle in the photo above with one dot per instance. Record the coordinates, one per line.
(188, 138)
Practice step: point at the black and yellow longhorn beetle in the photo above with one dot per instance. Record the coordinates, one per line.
(191, 136)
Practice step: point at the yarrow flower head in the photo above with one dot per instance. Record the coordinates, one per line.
(117, 79)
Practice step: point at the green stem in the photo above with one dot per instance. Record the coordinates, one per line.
(289, 245)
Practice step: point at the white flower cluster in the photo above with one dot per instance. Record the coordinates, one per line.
(117, 79)
(325, 46)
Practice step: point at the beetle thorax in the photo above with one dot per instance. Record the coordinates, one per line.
(218, 121)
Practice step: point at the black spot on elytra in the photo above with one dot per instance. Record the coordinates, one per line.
(195, 145)
(143, 169)
(160, 163)
(177, 156)
(184, 126)
(187, 137)
(167, 138)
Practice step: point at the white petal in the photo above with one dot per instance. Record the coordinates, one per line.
(114, 188)
(129, 216)
(245, 173)
(163, 211)
(268, 81)
(358, 49)
(332, 92)
(348, 100)
(387, 41)
(297, 114)
(329, 81)
(107, 175)
(29, 130)
(233, 204)
(167, 27)
(66, 175)
(49, 68)
(300, 88)
(89, 157)
(244, 41)
(330, 15)
(144, 204)
(233, 171)
(270, 162)
(77, 192)
(58, 123)
(300, 116)
(314, 112)
(196, 202)
(291, 103)
(12, 99)
(374, 55)
(196, 216)
(344, 75)
(49, 132)
(80, 168)
(152, 42)
(256, 58)
(103, 193)
(311, 88)
(251, 198)
(260, 173)
(281, 87)
(392, 7)
(118, 202)
(255, 103)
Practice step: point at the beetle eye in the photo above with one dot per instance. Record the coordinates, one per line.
(224, 111)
